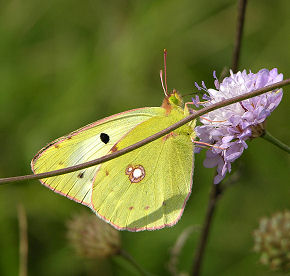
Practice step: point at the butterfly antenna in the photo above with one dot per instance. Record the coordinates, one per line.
(165, 77)
(161, 78)
(161, 75)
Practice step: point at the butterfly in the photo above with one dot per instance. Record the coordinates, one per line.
(145, 189)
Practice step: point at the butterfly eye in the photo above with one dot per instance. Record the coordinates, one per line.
(105, 138)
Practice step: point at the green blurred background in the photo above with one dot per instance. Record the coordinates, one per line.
(64, 64)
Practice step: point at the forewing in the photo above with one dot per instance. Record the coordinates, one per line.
(158, 199)
(86, 144)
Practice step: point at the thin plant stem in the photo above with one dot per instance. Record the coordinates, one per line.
(216, 190)
(23, 241)
(239, 33)
(131, 260)
(150, 139)
(267, 136)
(177, 249)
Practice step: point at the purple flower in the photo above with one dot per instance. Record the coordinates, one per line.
(228, 128)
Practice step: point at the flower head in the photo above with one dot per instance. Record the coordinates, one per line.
(229, 127)
(272, 241)
(93, 238)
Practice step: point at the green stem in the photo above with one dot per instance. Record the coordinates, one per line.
(267, 136)
(131, 260)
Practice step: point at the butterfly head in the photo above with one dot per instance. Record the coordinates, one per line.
(172, 101)
(175, 99)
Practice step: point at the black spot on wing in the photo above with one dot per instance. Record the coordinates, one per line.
(105, 138)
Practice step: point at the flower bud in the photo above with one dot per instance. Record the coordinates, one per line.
(92, 237)
(272, 240)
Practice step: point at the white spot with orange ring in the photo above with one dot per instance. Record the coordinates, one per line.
(135, 173)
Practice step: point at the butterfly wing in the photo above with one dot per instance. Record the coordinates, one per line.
(88, 143)
(147, 188)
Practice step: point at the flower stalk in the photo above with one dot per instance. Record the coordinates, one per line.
(217, 190)
(23, 241)
(270, 138)
(239, 34)
(130, 259)
(215, 193)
